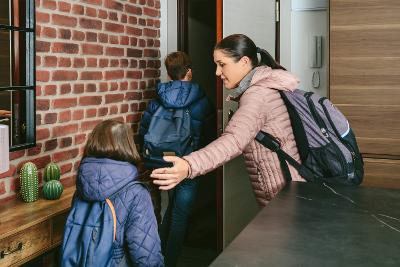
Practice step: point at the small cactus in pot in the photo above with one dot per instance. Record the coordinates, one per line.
(51, 172)
(28, 178)
(52, 189)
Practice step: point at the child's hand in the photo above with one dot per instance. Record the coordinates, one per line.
(168, 178)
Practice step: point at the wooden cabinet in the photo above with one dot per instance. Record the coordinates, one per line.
(365, 81)
(30, 229)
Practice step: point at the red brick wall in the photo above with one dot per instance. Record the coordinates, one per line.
(95, 59)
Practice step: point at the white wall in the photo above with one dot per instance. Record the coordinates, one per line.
(301, 19)
(168, 32)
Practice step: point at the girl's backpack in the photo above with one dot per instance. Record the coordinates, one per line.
(325, 141)
(89, 233)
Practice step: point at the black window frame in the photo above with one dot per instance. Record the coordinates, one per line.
(27, 25)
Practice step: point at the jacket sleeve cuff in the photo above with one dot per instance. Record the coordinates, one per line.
(189, 176)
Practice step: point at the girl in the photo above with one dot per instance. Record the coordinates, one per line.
(255, 85)
(108, 166)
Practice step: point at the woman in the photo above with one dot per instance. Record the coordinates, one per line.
(255, 85)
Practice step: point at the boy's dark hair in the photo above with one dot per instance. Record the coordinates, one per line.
(114, 140)
(177, 65)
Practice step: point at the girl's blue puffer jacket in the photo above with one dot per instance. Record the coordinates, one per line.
(180, 94)
(137, 236)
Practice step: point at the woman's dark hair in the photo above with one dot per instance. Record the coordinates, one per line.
(237, 46)
(114, 140)
(177, 65)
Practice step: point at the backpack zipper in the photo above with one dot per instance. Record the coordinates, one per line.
(314, 113)
(342, 140)
(321, 124)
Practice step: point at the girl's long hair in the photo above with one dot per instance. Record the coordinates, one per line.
(114, 140)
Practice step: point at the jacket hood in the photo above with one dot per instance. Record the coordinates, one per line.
(276, 79)
(99, 178)
(178, 94)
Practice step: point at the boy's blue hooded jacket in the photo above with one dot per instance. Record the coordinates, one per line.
(180, 94)
(137, 234)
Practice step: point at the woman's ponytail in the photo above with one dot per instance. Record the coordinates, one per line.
(237, 46)
(268, 60)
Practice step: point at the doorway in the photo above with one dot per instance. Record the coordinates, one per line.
(197, 37)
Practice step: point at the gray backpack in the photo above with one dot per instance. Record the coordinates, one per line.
(326, 143)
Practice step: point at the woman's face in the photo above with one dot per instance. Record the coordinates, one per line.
(229, 71)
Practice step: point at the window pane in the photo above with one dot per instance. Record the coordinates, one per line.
(4, 17)
(5, 65)
(14, 113)
(20, 60)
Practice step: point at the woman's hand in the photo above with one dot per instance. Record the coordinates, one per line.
(168, 178)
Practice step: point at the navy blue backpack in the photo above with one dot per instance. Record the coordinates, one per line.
(169, 134)
(89, 233)
(326, 143)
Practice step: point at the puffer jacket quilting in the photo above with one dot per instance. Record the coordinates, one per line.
(260, 108)
(137, 235)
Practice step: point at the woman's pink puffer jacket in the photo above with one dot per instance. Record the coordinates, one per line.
(260, 108)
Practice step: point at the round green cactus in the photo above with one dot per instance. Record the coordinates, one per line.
(51, 172)
(52, 189)
(28, 178)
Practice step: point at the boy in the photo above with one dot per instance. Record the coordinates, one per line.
(179, 94)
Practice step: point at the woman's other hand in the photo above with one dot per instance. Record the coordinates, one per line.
(168, 178)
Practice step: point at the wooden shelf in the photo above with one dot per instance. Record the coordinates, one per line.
(37, 226)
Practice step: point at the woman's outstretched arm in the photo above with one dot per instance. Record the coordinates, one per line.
(240, 131)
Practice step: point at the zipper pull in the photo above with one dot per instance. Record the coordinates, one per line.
(324, 132)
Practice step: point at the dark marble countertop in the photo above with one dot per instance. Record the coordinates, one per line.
(319, 225)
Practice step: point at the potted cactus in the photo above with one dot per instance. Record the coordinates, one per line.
(29, 182)
(51, 172)
(52, 189)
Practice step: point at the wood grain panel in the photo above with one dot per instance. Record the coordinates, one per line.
(355, 12)
(37, 225)
(365, 95)
(16, 215)
(365, 42)
(373, 121)
(365, 80)
(382, 173)
(33, 239)
(379, 146)
(365, 66)
(365, 73)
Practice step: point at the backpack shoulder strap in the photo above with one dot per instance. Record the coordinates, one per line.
(111, 205)
(273, 144)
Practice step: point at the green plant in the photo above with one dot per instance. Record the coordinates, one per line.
(28, 178)
(51, 172)
(52, 189)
